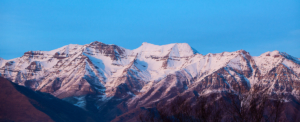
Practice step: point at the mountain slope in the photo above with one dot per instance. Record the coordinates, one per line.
(98, 76)
(15, 106)
(22, 104)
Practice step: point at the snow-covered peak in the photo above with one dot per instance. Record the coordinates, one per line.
(95, 42)
(289, 57)
(2, 61)
(268, 60)
(173, 50)
(275, 53)
(67, 49)
(275, 56)
(71, 48)
(99, 43)
(242, 51)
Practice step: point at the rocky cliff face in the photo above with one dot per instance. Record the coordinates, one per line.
(96, 75)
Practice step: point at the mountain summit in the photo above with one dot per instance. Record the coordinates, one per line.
(100, 76)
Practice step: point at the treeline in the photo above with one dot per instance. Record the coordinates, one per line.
(222, 107)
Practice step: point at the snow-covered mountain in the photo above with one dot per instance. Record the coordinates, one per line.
(109, 75)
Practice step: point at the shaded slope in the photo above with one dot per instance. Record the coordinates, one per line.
(15, 106)
(57, 109)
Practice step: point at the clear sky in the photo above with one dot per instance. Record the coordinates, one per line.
(209, 26)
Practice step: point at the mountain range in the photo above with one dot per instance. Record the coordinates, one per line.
(111, 81)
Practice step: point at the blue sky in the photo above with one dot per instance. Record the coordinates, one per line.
(210, 26)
